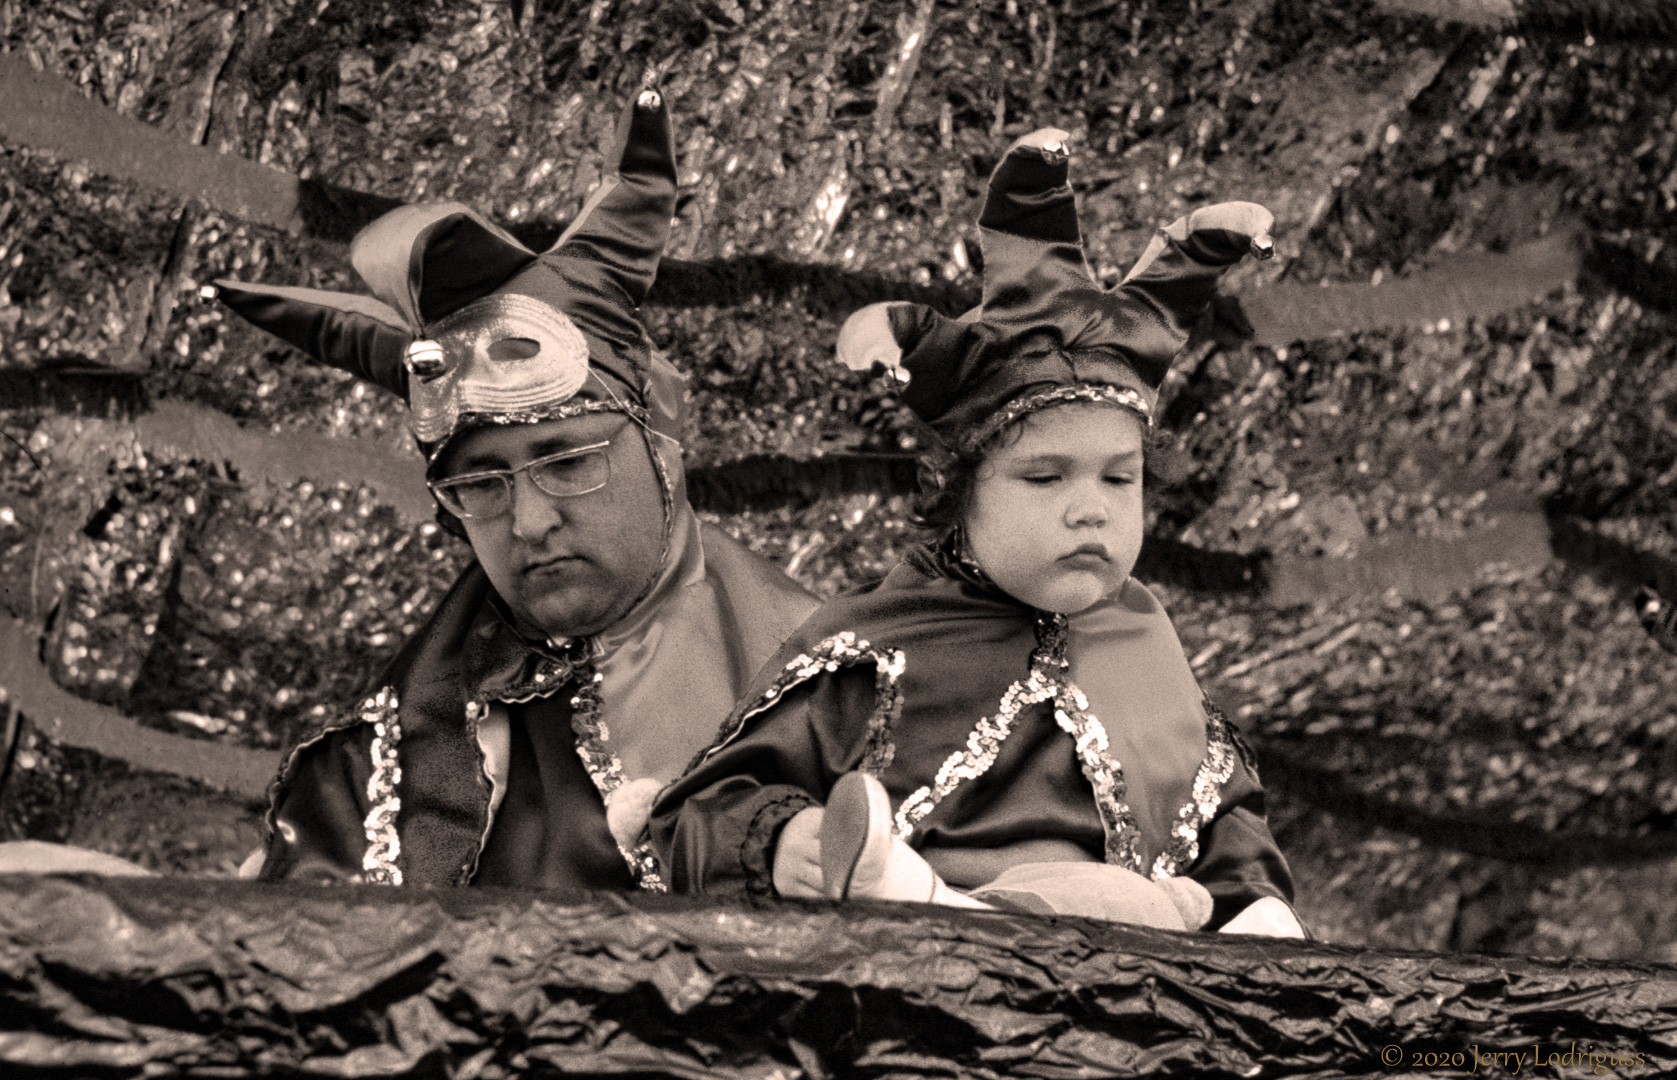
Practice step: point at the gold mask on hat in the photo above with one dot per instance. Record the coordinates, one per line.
(505, 353)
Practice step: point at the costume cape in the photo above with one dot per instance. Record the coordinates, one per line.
(485, 757)
(1003, 735)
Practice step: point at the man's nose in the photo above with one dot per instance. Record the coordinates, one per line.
(535, 513)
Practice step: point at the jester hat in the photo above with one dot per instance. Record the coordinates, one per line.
(470, 327)
(1046, 332)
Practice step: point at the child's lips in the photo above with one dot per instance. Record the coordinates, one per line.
(1088, 557)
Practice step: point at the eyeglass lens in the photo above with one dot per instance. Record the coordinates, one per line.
(490, 494)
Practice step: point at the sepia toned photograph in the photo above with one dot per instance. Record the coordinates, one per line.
(838, 538)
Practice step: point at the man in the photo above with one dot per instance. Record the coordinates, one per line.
(592, 651)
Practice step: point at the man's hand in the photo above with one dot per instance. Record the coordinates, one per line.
(797, 857)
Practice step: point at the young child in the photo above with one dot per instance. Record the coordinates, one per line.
(1007, 719)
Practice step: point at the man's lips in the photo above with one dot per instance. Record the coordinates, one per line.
(554, 563)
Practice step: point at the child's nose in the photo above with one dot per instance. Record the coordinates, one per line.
(1086, 509)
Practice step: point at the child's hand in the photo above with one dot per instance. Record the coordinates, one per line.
(797, 856)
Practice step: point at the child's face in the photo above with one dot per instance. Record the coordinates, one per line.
(1055, 517)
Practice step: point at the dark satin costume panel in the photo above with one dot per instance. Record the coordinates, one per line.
(550, 829)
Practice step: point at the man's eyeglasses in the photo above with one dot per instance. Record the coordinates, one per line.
(488, 494)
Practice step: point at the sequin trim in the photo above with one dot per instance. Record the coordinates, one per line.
(841, 650)
(1045, 681)
(1214, 772)
(1125, 397)
(384, 846)
(563, 411)
(1104, 772)
(605, 769)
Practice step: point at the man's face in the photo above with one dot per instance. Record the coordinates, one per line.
(566, 566)
(1056, 515)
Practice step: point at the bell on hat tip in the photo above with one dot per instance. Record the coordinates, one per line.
(649, 99)
(208, 292)
(425, 359)
(1263, 247)
(1049, 142)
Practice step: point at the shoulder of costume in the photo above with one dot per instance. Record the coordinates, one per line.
(744, 571)
(882, 627)
(443, 634)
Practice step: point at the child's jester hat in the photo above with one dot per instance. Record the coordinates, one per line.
(1046, 333)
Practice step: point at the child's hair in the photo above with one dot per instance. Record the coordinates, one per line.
(947, 476)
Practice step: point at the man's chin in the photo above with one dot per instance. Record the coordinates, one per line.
(558, 620)
(578, 611)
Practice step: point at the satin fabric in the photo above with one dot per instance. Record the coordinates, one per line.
(964, 644)
(721, 607)
(1044, 320)
(1125, 656)
(673, 668)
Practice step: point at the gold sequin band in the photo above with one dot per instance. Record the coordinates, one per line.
(1045, 681)
(983, 744)
(1104, 773)
(1125, 397)
(1214, 772)
(605, 769)
(563, 411)
(384, 847)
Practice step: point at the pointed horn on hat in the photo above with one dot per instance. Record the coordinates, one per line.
(1028, 229)
(429, 261)
(890, 336)
(868, 342)
(357, 334)
(626, 222)
(1161, 299)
